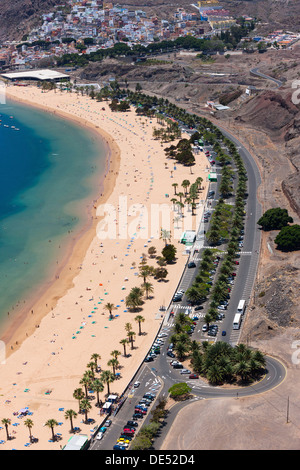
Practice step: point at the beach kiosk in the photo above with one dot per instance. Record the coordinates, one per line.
(213, 177)
(106, 408)
(188, 237)
(77, 442)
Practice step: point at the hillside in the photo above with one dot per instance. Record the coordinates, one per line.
(17, 17)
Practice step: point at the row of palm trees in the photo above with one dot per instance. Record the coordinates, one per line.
(218, 362)
(189, 196)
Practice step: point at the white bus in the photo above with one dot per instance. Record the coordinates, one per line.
(237, 321)
(241, 307)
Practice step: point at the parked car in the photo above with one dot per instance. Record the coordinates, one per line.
(149, 359)
(132, 424)
(170, 354)
(99, 436)
(191, 264)
(185, 371)
(136, 384)
(137, 415)
(198, 307)
(119, 447)
(193, 376)
(107, 423)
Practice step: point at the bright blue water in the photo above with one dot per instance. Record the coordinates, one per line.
(50, 171)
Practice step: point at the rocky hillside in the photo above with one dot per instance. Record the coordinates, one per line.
(17, 17)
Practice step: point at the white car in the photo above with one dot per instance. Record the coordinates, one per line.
(99, 436)
(185, 371)
(136, 384)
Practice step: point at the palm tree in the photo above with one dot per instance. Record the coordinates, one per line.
(165, 235)
(114, 363)
(86, 382)
(29, 424)
(110, 307)
(51, 423)
(134, 298)
(145, 272)
(139, 319)
(70, 414)
(214, 374)
(95, 357)
(78, 394)
(147, 288)
(85, 407)
(6, 422)
(108, 378)
(175, 186)
(98, 387)
(124, 342)
(91, 365)
(131, 335)
(115, 353)
(185, 184)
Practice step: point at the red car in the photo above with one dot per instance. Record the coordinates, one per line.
(193, 376)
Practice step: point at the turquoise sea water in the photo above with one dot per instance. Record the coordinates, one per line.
(50, 172)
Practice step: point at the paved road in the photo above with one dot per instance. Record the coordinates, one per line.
(256, 72)
(158, 375)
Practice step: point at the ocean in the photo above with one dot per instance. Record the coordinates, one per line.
(51, 170)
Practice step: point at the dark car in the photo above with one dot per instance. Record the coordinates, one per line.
(223, 333)
(178, 366)
(149, 359)
(191, 264)
(137, 415)
(133, 424)
(119, 447)
(198, 307)
(170, 354)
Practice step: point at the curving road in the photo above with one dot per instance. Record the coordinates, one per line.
(259, 74)
(159, 375)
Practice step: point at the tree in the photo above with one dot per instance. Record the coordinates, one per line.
(124, 342)
(78, 394)
(70, 414)
(6, 422)
(85, 407)
(139, 319)
(98, 387)
(51, 423)
(165, 235)
(107, 377)
(134, 298)
(275, 219)
(161, 273)
(152, 251)
(29, 424)
(288, 238)
(169, 253)
(110, 307)
(179, 391)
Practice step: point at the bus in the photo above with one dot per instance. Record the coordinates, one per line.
(237, 321)
(241, 307)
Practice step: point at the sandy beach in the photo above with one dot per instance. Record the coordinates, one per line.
(48, 349)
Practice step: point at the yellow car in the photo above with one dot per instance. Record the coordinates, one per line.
(122, 439)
